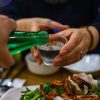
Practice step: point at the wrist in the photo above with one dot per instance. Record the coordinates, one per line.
(94, 37)
(91, 37)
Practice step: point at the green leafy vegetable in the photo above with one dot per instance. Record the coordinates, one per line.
(35, 94)
(96, 90)
(47, 87)
(30, 94)
(41, 98)
(60, 90)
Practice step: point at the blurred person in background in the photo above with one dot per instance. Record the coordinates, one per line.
(7, 25)
(67, 15)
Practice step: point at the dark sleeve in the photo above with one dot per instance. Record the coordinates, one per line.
(96, 21)
(17, 9)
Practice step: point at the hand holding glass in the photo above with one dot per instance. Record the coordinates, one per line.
(50, 50)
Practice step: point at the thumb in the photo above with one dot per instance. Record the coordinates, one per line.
(64, 48)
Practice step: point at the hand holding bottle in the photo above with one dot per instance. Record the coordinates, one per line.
(38, 24)
(7, 25)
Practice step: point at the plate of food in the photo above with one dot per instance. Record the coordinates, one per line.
(76, 87)
(89, 64)
(15, 93)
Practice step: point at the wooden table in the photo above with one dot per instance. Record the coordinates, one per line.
(32, 79)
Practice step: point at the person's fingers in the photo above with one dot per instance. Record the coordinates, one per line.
(64, 62)
(49, 24)
(55, 24)
(37, 24)
(35, 52)
(9, 24)
(74, 40)
(72, 57)
(66, 33)
(24, 24)
(34, 27)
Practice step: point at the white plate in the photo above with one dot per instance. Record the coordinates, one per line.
(15, 93)
(89, 64)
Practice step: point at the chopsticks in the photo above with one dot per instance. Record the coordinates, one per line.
(8, 73)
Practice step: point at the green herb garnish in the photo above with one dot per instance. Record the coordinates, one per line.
(47, 87)
(30, 94)
(96, 90)
(60, 90)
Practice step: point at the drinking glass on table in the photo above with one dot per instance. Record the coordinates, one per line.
(50, 50)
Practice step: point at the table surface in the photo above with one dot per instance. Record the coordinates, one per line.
(32, 79)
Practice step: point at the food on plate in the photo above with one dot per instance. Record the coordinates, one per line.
(75, 87)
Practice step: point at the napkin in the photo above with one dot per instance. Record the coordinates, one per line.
(16, 83)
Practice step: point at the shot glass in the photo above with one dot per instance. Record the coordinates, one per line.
(50, 50)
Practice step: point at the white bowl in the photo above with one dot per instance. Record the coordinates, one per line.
(89, 64)
(39, 69)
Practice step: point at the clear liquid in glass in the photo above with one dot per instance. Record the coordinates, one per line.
(50, 50)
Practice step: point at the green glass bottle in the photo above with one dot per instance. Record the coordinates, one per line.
(20, 41)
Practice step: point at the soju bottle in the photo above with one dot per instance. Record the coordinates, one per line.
(20, 41)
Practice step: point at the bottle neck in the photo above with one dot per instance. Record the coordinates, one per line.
(20, 41)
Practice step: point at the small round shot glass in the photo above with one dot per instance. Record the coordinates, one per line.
(50, 50)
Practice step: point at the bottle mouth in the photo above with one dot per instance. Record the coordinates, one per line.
(55, 2)
(55, 42)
